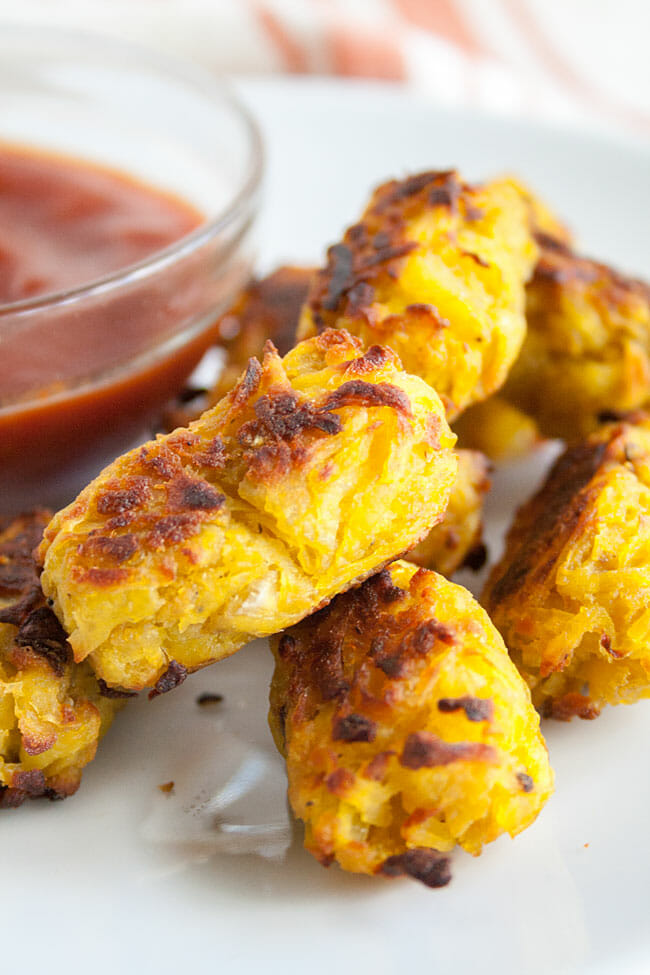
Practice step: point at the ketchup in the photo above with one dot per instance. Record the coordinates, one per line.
(64, 223)
(81, 380)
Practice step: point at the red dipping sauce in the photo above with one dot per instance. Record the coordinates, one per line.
(64, 223)
(81, 378)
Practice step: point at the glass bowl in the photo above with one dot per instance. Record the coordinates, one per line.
(84, 372)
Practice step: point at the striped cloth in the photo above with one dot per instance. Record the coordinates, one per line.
(572, 60)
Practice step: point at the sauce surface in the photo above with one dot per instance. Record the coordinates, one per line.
(64, 222)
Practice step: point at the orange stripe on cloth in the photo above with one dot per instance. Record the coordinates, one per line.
(553, 61)
(293, 55)
(355, 54)
(443, 18)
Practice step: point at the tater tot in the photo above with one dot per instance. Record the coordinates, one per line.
(52, 711)
(312, 473)
(406, 728)
(570, 595)
(436, 270)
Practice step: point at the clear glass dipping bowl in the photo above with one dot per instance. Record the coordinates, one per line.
(173, 129)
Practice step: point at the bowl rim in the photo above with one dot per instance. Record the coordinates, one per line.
(218, 90)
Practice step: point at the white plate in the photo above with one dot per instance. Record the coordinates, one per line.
(125, 878)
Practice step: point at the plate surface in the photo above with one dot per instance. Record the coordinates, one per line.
(212, 877)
